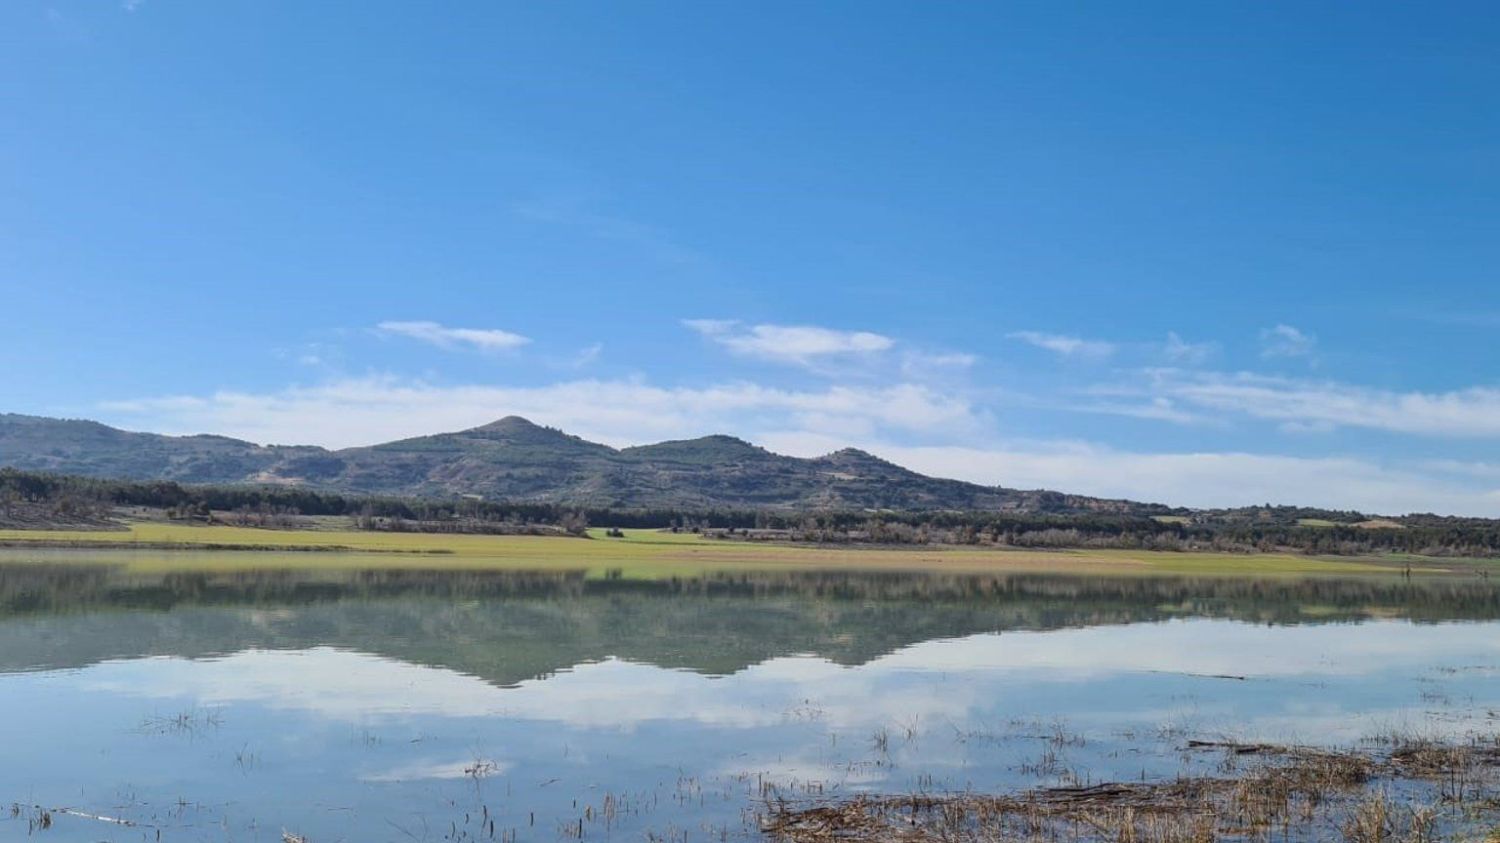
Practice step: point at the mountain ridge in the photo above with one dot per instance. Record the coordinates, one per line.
(515, 459)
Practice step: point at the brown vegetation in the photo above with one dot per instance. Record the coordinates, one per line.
(1413, 791)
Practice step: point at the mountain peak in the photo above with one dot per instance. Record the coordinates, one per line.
(510, 424)
(519, 429)
(854, 456)
(851, 454)
(726, 440)
(705, 449)
(515, 430)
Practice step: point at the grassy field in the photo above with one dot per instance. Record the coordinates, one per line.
(1372, 524)
(641, 553)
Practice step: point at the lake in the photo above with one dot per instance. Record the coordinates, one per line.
(427, 705)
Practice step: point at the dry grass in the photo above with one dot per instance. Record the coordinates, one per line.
(1380, 524)
(1286, 793)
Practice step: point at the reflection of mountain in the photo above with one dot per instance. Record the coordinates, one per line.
(508, 627)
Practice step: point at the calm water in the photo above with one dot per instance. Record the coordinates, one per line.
(423, 706)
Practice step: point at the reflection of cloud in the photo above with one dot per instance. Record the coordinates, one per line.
(476, 768)
(334, 683)
(1202, 647)
(609, 694)
(974, 672)
(788, 773)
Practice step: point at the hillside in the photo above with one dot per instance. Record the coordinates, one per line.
(513, 459)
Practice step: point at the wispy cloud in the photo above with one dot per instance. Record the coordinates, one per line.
(1473, 412)
(433, 333)
(1065, 346)
(1184, 353)
(1156, 408)
(368, 410)
(926, 365)
(1302, 405)
(318, 355)
(587, 355)
(800, 344)
(1285, 341)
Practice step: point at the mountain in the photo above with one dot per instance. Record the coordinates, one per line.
(89, 448)
(513, 459)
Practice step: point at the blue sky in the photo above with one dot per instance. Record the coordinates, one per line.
(1200, 253)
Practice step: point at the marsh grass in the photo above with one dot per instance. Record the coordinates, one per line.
(1281, 793)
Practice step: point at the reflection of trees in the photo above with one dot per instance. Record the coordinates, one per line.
(508, 626)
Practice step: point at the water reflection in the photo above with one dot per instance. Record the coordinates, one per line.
(390, 705)
(506, 626)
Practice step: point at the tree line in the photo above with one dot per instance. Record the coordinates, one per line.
(1251, 529)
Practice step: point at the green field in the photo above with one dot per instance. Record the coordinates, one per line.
(153, 546)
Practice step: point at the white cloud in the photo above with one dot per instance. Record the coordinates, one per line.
(622, 412)
(1286, 341)
(1066, 346)
(801, 344)
(433, 333)
(1296, 405)
(1314, 405)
